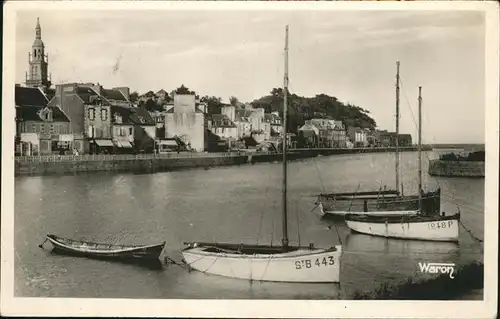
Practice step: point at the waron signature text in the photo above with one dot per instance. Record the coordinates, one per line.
(435, 268)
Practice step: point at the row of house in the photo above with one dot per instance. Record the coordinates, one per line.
(332, 134)
(88, 118)
(80, 118)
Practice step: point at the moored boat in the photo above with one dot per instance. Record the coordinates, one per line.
(284, 263)
(385, 203)
(434, 228)
(265, 263)
(421, 227)
(106, 251)
(382, 202)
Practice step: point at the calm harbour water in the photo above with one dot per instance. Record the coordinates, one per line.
(231, 204)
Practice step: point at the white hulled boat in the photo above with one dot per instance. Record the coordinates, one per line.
(283, 263)
(381, 202)
(422, 227)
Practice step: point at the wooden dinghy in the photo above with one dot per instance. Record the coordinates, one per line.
(106, 251)
(384, 203)
(433, 228)
(264, 262)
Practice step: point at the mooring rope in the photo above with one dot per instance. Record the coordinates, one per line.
(216, 258)
(337, 231)
(41, 245)
(298, 220)
(181, 265)
(470, 232)
(267, 265)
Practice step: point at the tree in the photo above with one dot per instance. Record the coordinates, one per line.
(134, 96)
(214, 104)
(152, 106)
(183, 90)
(322, 105)
(233, 100)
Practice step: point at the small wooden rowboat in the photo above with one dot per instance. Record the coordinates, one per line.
(433, 228)
(106, 251)
(383, 203)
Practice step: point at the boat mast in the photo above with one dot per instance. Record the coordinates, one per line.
(284, 240)
(420, 149)
(397, 127)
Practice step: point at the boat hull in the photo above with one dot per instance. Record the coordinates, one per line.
(335, 205)
(301, 265)
(338, 213)
(106, 251)
(418, 228)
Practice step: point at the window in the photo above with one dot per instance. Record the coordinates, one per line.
(33, 128)
(91, 114)
(42, 128)
(91, 131)
(104, 114)
(51, 128)
(130, 130)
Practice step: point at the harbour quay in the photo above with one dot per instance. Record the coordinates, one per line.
(150, 163)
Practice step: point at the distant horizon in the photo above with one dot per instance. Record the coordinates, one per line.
(349, 55)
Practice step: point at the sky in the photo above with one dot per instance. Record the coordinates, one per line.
(347, 54)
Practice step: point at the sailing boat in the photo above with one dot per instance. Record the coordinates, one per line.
(381, 202)
(283, 263)
(422, 227)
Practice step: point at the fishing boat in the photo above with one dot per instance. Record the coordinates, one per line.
(105, 251)
(421, 227)
(381, 202)
(284, 263)
(433, 228)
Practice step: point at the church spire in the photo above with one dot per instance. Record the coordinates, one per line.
(38, 61)
(38, 29)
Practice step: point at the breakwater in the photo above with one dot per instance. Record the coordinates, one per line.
(456, 168)
(150, 163)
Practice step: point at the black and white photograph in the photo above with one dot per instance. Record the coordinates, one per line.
(258, 159)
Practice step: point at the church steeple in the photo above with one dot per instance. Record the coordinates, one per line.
(38, 29)
(37, 75)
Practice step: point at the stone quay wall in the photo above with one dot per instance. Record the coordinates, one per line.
(456, 168)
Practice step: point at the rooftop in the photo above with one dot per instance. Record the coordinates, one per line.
(220, 120)
(113, 95)
(26, 96)
(32, 113)
(133, 115)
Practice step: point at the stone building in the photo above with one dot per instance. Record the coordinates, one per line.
(186, 120)
(40, 129)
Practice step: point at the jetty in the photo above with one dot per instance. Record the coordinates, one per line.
(456, 165)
